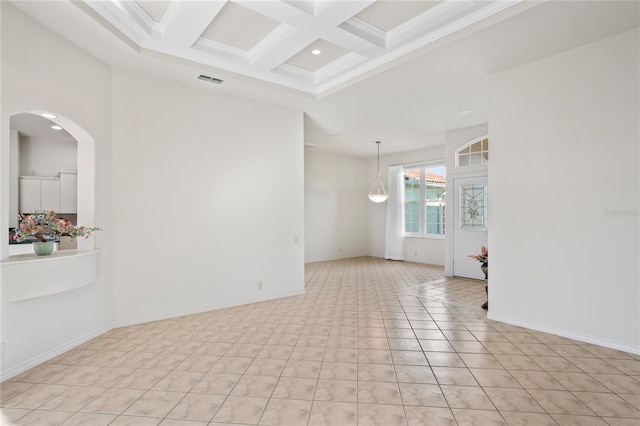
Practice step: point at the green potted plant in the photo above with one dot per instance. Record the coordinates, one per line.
(45, 227)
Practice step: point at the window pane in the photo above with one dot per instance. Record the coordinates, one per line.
(434, 192)
(476, 158)
(435, 219)
(412, 185)
(412, 200)
(435, 183)
(424, 199)
(411, 216)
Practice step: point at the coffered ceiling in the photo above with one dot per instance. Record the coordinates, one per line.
(406, 98)
(307, 45)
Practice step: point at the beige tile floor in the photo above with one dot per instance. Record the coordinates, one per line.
(372, 342)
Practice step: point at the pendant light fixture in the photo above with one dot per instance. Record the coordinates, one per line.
(377, 194)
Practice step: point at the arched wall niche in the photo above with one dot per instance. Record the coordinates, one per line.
(86, 170)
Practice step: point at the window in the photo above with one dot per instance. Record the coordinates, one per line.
(472, 153)
(424, 196)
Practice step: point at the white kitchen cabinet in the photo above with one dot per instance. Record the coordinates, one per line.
(50, 194)
(29, 194)
(68, 192)
(39, 193)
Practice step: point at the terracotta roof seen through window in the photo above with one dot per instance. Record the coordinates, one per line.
(430, 177)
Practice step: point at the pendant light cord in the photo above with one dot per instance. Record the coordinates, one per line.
(378, 143)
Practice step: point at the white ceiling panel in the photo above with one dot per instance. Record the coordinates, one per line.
(387, 15)
(254, 27)
(308, 61)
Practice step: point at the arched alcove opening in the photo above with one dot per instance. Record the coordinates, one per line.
(85, 166)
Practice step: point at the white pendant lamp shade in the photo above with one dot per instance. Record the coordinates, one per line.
(377, 194)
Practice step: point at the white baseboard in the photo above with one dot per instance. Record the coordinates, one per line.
(608, 343)
(50, 354)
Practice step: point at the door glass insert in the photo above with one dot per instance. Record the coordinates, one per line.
(473, 207)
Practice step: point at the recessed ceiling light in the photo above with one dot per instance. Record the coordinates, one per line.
(48, 115)
(316, 51)
(56, 127)
(464, 112)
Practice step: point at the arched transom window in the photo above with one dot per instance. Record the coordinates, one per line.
(473, 153)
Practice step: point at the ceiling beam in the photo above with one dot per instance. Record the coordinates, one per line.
(186, 21)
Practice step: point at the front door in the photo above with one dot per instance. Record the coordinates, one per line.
(470, 225)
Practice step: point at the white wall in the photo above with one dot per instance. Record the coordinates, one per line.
(564, 194)
(47, 157)
(72, 83)
(208, 196)
(335, 205)
(430, 251)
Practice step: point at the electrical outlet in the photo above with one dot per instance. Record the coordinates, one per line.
(296, 239)
(1, 350)
(416, 252)
(259, 285)
(340, 250)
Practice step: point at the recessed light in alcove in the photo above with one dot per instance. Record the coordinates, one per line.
(48, 115)
(56, 127)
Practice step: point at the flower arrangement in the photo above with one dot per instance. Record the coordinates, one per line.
(483, 257)
(41, 224)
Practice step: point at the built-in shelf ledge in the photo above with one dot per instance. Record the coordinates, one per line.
(27, 276)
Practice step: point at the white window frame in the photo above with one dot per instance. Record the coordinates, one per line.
(422, 232)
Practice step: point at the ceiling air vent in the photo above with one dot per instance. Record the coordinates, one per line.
(210, 79)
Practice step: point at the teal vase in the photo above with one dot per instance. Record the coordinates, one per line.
(43, 248)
